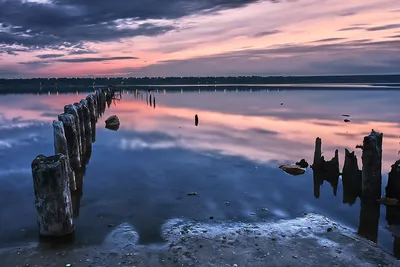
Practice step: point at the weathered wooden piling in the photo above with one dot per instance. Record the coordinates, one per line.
(393, 186)
(325, 170)
(351, 178)
(72, 137)
(92, 110)
(150, 100)
(82, 130)
(87, 122)
(154, 101)
(52, 196)
(72, 110)
(61, 147)
(372, 167)
(196, 120)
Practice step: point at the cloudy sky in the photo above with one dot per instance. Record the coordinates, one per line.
(58, 38)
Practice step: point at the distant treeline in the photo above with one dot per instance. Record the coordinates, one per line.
(87, 84)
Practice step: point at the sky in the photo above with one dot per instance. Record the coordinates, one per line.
(86, 38)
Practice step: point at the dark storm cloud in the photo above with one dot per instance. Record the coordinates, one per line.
(66, 23)
(46, 56)
(96, 59)
(384, 27)
(261, 34)
(351, 28)
(328, 40)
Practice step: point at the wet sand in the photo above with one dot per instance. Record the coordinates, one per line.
(312, 240)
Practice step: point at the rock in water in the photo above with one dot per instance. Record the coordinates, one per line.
(112, 123)
(302, 163)
(292, 169)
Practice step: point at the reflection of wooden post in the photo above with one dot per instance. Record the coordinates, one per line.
(77, 195)
(351, 178)
(325, 170)
(71, 135)
(52, 196)
(61, 146)
(71, 109)
(369, 220)
(372, 167)
(79, 108)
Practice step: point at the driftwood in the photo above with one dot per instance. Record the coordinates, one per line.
(92, 110)
(71, 109)
(325, 170)
(351, 178)
(372, 167)
(112, 123)
(61, 147)
(79, 108)
(52, 196)
(71, 135)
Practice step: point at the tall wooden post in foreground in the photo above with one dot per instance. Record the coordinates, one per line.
(372, 166)
(52, 196)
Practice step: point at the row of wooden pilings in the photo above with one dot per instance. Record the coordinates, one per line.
(58, 179)
(365, 184)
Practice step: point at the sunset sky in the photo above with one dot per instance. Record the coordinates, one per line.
(58, 38)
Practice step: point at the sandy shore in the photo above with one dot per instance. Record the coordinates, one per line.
(312, 240)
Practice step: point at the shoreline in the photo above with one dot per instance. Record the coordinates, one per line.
(312, 240)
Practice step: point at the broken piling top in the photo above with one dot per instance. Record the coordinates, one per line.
(71, 134)
(372, 166)
(317, 152)
(52, 195)
(393, 186)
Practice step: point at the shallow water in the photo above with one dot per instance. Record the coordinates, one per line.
(142, 173)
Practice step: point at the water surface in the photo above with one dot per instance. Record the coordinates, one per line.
(142, 173)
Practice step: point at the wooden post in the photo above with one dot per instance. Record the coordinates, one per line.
(61, 147)
(52, 196)
(372, 167)
(87, 123)
(82, 130)
(154, 101)
(71, 109)
(325, 170)
(393, 186)
(95, 102)
(351, 178)
(92, 110)
(72, 137)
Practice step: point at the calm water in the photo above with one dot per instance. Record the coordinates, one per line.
(142, 173)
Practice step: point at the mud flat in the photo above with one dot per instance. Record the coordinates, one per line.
(312, 240)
